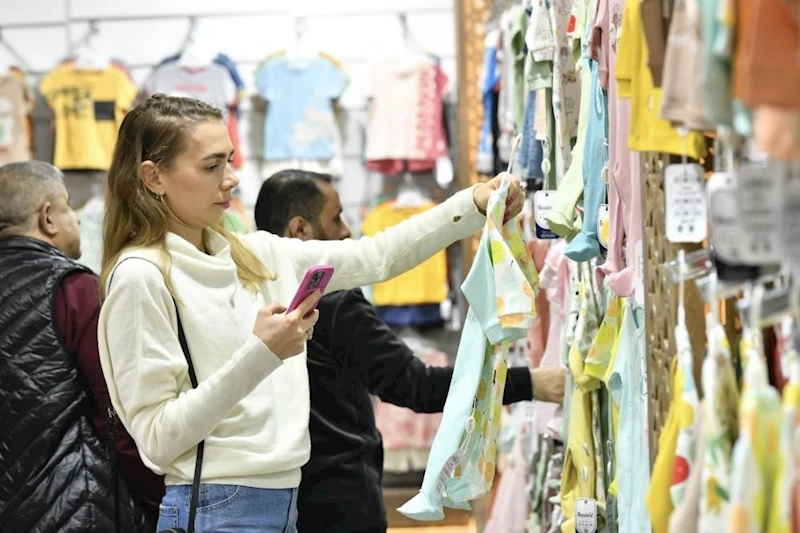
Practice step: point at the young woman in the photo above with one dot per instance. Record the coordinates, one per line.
(167, 258)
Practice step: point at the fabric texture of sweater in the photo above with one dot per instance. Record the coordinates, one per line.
(255, 429)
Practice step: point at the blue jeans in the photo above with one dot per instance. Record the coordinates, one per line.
(230, 508)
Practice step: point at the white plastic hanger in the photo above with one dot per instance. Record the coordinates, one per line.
(192, 56)
(87, 55)
(409, 196)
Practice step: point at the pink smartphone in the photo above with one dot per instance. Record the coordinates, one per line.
(316, 279)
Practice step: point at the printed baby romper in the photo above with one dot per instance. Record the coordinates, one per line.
(500, 289)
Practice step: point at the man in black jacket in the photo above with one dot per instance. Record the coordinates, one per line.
(353, 355)
(57, 472)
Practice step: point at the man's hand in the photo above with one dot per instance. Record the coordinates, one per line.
(548, 384)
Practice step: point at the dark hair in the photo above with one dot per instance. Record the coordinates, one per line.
(288, 194)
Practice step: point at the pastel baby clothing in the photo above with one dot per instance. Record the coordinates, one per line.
(579, 473)
(755, 453)
(585, 245)
(785, 492)
(554, 281)
(684, 519)
(562, 216)
(628, 386)
(648, 132)
(716, 70)
(683, 103)
(659, 503)
(566, 89)
(689, 405)
(720, 408)
(500, 289)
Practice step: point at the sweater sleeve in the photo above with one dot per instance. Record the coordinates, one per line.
(368, 260)
(390, 370)
(147, 373)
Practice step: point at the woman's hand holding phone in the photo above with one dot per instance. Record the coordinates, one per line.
(286, 334)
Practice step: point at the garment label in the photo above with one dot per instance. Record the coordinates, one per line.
(791, 223)
(759, 196)
(723, 213)
(638, 292)
(447, 470)
(687, 218)
(603, 226)
(586, 515)
(542, 204)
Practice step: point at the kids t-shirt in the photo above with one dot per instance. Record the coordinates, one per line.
(89, 106)
(15, 104)
(300, 120)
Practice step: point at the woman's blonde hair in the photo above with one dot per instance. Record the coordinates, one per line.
(156, 131)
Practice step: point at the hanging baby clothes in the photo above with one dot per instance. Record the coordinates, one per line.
(580, 469)
(500, 289)
(720, 429)
(755, 453)
(628, 385)
(787, 481)
(566, 89)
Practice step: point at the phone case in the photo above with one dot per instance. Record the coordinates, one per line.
(316, 278)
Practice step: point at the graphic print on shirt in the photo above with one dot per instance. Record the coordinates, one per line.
(7, 124)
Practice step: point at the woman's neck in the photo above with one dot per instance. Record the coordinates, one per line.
(192, 235)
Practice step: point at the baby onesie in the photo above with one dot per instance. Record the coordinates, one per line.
(780, 520)
(585, 245)
(689, 405)
(684, 518)
(500, 291)
(566, 89)
(720, 408)
(628, 385)
(579, 473)
(683, 103)
(659, 503)
(648, 132)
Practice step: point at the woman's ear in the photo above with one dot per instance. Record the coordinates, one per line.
(151, 178)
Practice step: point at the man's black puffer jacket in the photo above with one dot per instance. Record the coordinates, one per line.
(55, 472)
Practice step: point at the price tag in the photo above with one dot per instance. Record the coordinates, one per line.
(530, 412)
(542, 204)
(760, 197)
(791, 223)
(638, 291)
(687, 219)
(604, 226)
(447, 470)
(723, 213)
(586, 515)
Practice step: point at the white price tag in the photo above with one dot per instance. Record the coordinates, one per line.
(723, 212)
(687, 219)
(638, 292)
(447, 469)
(542, 204)
(760, 197)
(791, 223)
(530, 413)
(586, 515)
(604, 225)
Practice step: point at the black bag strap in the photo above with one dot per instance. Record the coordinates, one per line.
(198, 464)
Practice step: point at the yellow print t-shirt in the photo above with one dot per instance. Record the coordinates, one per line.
(88, 107)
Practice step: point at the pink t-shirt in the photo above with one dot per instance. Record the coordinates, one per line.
(405, 110)
(624, 196)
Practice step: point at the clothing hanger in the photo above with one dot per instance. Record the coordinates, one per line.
(409, 195)
(87, 55)
(300, 50)
(191, 54)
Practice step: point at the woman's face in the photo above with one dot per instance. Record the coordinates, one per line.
(198, 185)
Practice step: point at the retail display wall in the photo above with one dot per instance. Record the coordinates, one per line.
(142, 33)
